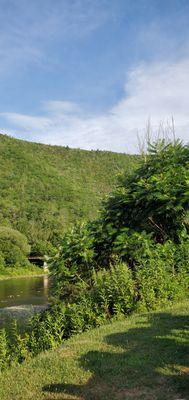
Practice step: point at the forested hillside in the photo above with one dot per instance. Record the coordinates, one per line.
(44, 189)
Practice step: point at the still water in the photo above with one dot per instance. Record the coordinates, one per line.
(24, 291)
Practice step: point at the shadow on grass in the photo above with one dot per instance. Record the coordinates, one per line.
(148, 362)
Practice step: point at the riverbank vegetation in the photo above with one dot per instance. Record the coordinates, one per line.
(142, 357)
(12, 272)
(134, 257)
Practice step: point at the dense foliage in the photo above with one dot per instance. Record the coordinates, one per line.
(155, 197)
(149, 208)
(45, 189)
(134, 257)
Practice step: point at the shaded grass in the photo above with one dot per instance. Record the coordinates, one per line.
(142, 357)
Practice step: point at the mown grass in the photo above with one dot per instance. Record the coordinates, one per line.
(142, 357)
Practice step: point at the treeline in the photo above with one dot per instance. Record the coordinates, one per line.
(133, 257)
(46, 189)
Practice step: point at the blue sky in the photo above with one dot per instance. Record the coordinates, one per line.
(92, 73)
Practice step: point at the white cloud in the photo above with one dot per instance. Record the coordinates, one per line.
(27, 122)
(158, 91)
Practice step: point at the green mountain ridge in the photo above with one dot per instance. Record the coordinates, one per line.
(45, 189)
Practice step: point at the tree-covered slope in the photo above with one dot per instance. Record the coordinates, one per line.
(46, 188)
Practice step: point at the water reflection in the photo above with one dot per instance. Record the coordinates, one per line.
(20, 291)
(46, 285)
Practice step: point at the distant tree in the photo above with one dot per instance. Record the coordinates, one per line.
(14, 247)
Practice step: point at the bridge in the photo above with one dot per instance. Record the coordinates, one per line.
(39, 260)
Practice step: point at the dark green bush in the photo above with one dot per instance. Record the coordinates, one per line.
(155, 197)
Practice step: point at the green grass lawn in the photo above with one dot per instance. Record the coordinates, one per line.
(142, 357)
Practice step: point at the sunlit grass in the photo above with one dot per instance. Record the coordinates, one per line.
(142, 357)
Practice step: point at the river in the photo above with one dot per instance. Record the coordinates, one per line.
(20, 297)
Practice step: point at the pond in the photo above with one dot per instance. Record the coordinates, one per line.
(21, 297)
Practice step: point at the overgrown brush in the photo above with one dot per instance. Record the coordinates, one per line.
(158, 277)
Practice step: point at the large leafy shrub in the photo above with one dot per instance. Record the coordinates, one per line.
(151, 203)
(154, 199)
(156, 196)
(74, 260)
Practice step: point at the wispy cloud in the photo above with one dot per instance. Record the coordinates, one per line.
(157, 91)
(58, 107)
(28, 122)
(28, 28)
